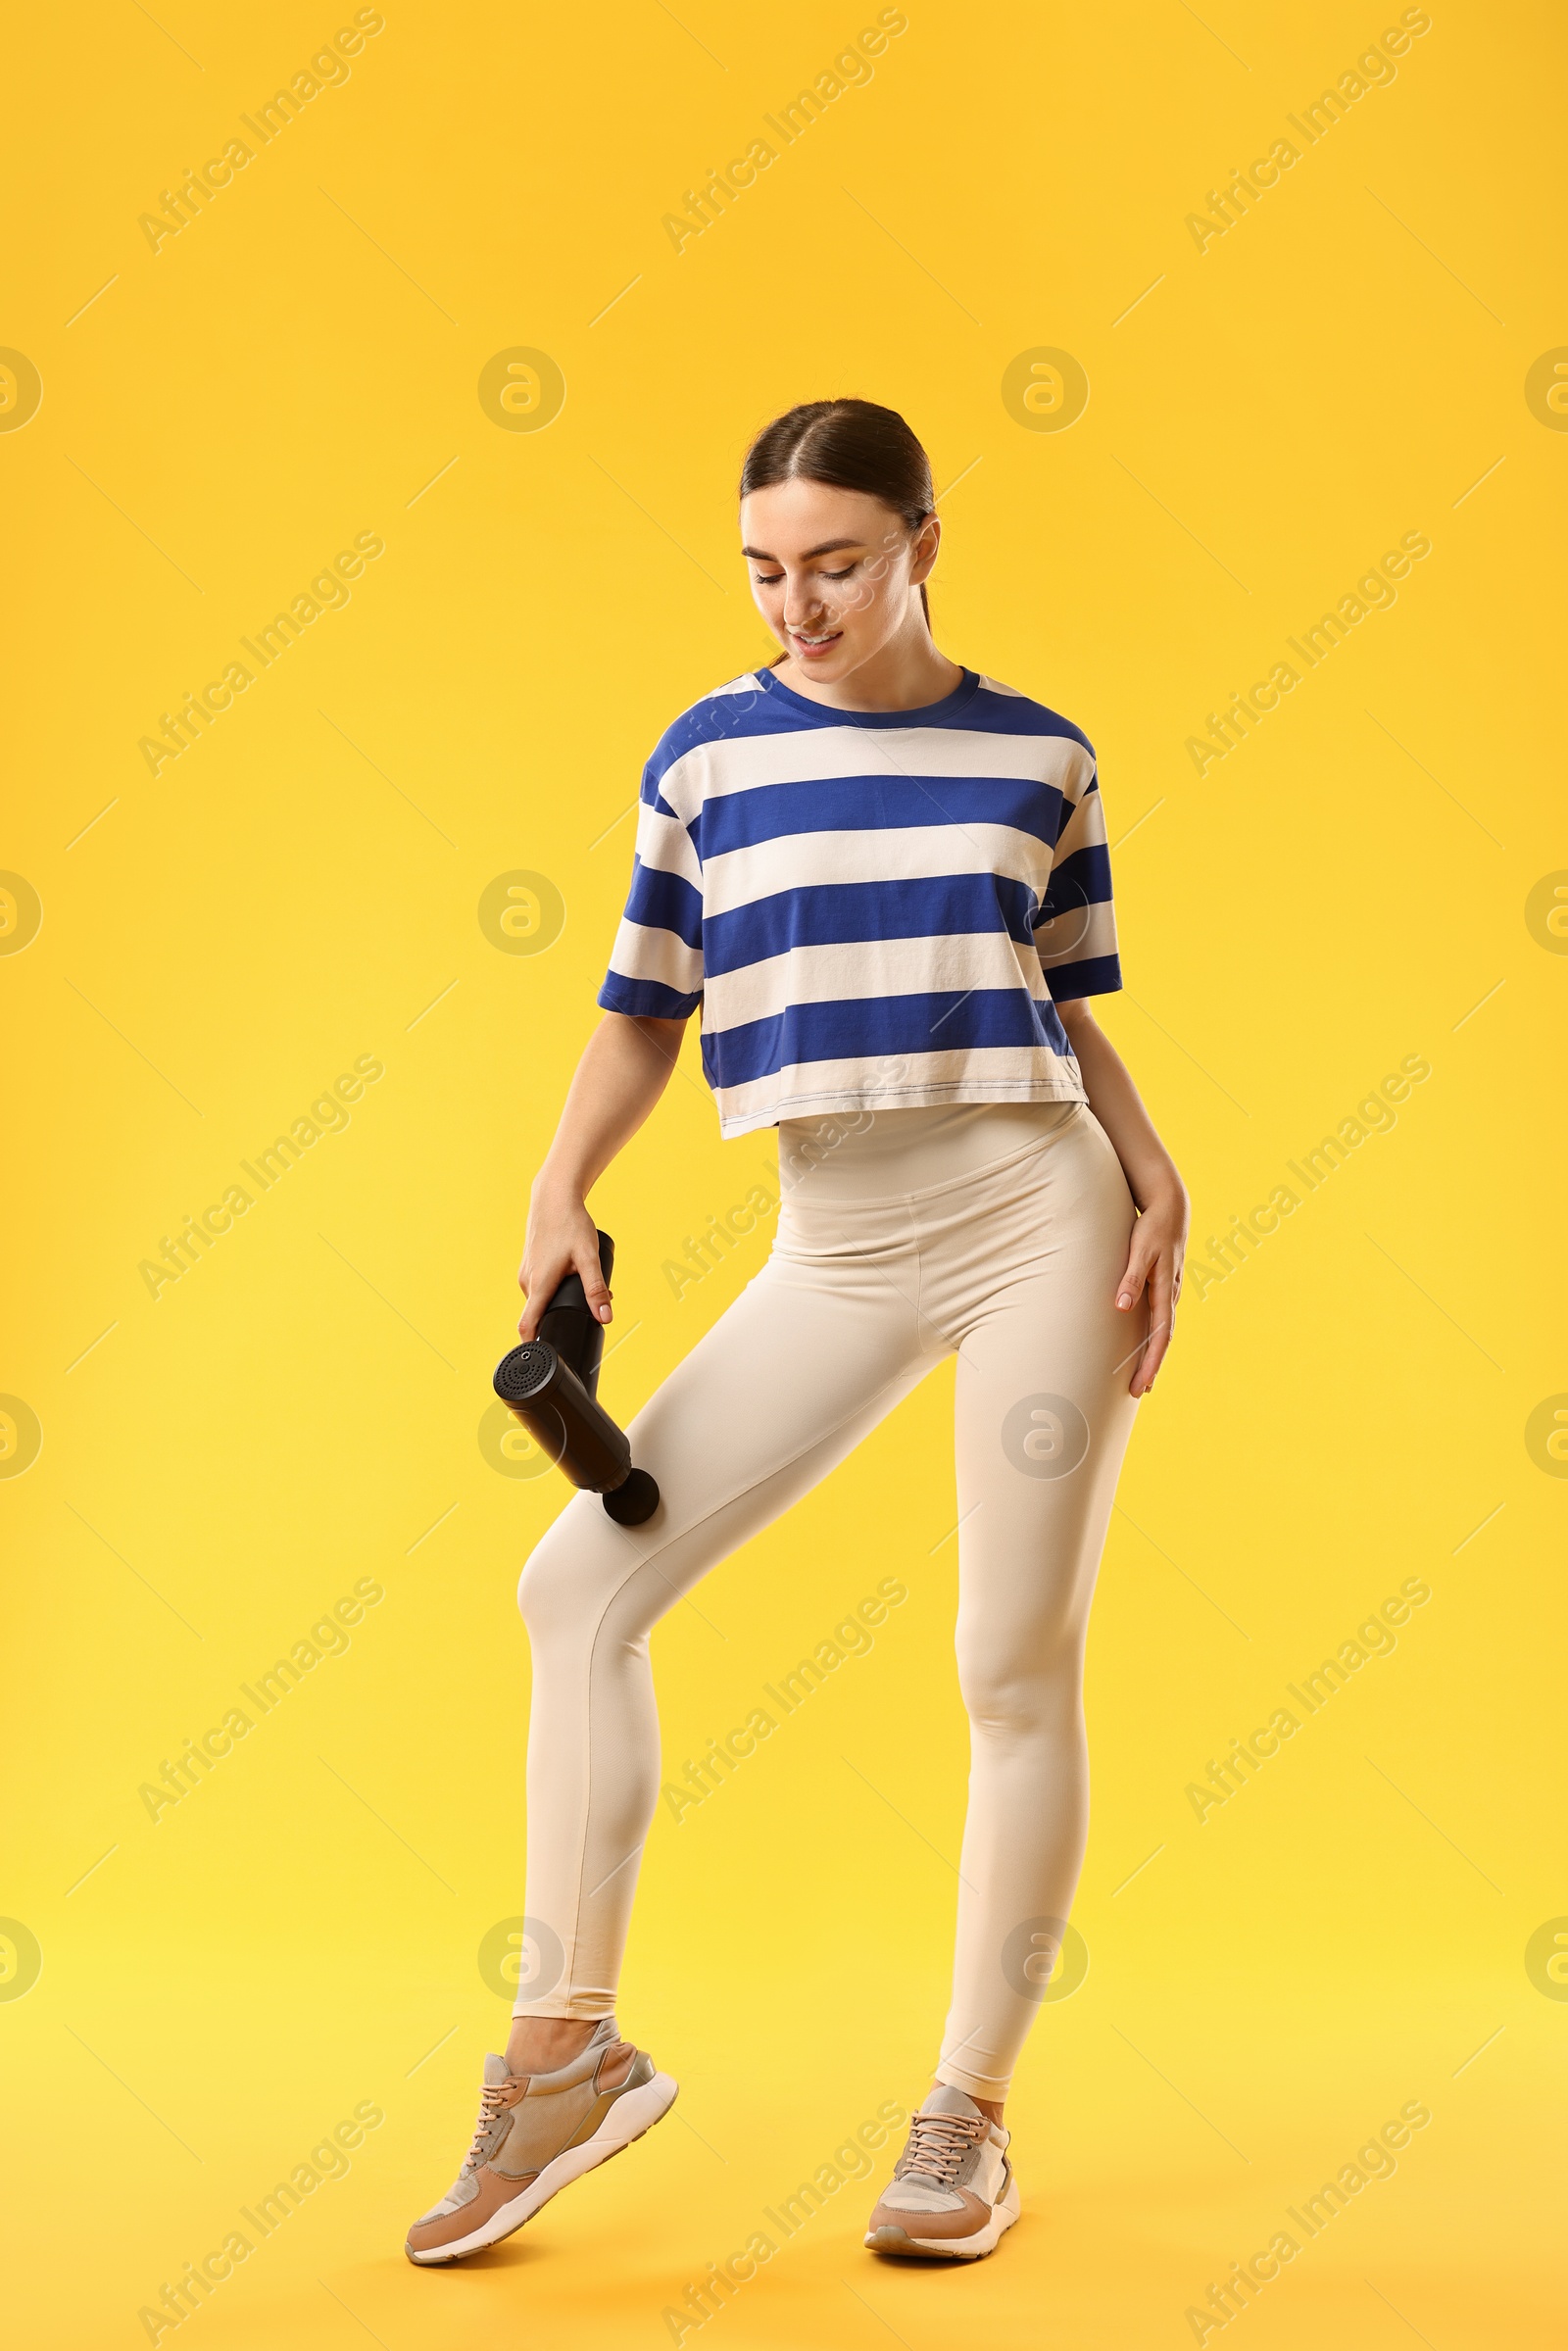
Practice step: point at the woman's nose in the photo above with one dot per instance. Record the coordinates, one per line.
(802, 604)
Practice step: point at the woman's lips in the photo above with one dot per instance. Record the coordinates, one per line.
(812, 648)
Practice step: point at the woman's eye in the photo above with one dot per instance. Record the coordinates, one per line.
(770, 580)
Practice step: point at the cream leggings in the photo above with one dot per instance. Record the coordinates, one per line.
(995, 1233)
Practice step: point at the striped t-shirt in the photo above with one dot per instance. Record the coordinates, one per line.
(875, 909)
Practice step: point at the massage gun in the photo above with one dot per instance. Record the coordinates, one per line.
(551, 1383)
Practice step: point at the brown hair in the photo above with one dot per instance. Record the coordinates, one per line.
(849, 445)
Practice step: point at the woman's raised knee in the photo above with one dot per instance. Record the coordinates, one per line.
(574, 1572)
(553, 1592)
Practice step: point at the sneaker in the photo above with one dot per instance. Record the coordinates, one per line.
(536, 2133)
(952, 2191)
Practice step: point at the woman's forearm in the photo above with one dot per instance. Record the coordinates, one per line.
(624, 1068)
(1114, 1099)
(1159, 1233)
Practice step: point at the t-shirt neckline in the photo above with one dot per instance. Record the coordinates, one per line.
(925, 716)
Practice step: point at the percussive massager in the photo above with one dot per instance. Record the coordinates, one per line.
(551, 1384)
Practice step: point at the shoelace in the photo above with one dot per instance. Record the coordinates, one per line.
(492, 2099)
(938, 2143)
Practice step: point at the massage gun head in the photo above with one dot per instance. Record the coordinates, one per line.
(523, 1372)
(635, 1498)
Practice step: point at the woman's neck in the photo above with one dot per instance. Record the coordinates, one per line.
(905, 674)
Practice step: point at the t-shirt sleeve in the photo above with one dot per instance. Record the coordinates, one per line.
(1075, 929)
(656, 966)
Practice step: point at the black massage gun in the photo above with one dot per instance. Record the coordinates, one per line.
(551, 1383)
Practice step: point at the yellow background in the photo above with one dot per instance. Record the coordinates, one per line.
(301, 888)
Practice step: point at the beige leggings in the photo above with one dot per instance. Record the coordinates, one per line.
(996, 1233)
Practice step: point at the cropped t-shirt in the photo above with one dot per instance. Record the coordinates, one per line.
(872, 907)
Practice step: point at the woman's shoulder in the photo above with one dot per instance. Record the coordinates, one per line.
(1004, 710)
(719, 715)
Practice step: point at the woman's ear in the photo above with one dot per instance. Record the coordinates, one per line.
(927, 542)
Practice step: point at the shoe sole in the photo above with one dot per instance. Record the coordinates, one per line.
(892, 2239)
(628, 2119)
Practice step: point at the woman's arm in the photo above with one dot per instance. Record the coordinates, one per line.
(1159, 1236)
(624, 1068)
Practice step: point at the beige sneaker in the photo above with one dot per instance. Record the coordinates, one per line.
(952, 2191)
(536, 2133)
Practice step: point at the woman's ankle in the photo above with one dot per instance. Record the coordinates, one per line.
(538, 2044)
(991, 2107)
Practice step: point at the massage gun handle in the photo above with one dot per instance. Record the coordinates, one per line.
(572, 1426)
(567, 1325)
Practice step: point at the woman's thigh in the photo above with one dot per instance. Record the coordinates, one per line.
(789, 1380)
(1044, 1413)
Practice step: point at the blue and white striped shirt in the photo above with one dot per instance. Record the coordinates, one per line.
(875, 909)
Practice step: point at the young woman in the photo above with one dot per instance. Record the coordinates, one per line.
(884, 878)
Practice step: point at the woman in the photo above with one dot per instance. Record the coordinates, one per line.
(885, 880)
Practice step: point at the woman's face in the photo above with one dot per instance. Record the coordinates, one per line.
(834, 572)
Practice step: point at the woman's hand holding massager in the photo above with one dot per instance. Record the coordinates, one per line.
(563, 1239)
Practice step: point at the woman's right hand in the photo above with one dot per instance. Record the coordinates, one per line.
(561, 1239)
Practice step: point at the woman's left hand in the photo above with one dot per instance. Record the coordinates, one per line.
(1155, 1263)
